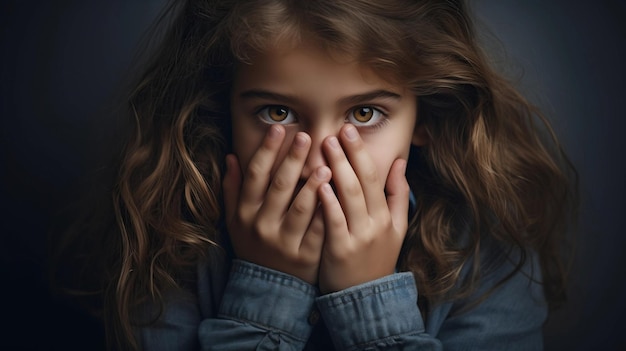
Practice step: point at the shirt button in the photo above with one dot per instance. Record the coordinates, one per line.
(314, 316)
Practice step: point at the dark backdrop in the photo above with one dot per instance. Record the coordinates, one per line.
(63, 61)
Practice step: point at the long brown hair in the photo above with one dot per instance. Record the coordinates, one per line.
(490, 152)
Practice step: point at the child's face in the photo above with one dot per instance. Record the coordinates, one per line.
(305, 89)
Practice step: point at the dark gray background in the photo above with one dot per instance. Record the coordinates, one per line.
(63, 61)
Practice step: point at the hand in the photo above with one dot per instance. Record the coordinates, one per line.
(265, 226)
(364, 228)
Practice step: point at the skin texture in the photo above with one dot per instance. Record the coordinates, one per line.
(303, 120)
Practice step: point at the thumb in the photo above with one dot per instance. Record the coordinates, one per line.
(397, 189)
(231, 185)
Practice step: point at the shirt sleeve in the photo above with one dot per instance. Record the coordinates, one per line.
(261, 309)
(378, 315)
(501, 314)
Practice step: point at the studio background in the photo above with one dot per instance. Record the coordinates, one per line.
(62, 63)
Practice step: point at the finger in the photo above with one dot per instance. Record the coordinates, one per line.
(365, 169)
(349, 190)
(257, 175)
(285, 179)
(231, 185)
(313, 240)
(398, 195)
(298, 217)
(336, 234)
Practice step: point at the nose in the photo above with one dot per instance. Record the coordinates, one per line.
(316, 156)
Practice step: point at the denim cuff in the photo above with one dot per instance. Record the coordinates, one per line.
(374, 313)
(268, 299)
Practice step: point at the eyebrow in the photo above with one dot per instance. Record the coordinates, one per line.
(267, 95)
(351, 100)
(369, 96)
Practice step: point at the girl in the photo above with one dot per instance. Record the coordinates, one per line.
(317, 175)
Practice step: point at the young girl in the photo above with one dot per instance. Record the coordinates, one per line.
(318, 175)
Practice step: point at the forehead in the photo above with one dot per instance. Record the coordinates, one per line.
(309, 65)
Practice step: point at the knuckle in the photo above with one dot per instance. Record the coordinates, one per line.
(280, 183)
(385, 221)
(299, 208)
(240, 214)
(255, 171)
(353, 189)
(406, 190)
(261, 229)
(257, 229)
(404, 187)
(385, 227)
(337, 221)
(342, 256)
(370, 175)
(367, 239)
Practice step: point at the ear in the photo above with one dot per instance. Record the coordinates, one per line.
(420, 137)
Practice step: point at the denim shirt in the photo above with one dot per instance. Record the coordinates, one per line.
(240, 306)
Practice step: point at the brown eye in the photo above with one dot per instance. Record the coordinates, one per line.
(363, 114)
(366, 117)
(277, 113)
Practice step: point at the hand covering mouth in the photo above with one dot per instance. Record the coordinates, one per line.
(301, 184)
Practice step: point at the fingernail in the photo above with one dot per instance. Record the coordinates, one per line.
(274, 132)
(333, 142)
(300, 140)
(351, 133)
(322, 173)
(326, 188)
